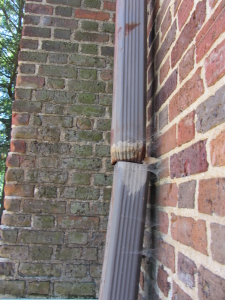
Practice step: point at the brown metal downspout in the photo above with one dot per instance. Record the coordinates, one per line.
(121, 267)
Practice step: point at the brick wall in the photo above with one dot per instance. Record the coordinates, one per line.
(184, 242)
(59, 173)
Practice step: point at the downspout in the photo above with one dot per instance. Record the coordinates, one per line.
(122, 259)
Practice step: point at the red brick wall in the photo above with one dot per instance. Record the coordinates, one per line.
(185, 228)
(59, 176)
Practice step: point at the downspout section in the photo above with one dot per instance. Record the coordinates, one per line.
(128, 134)
(121, 266)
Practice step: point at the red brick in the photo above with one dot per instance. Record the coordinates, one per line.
(162, 11)
(217, 243)
(167, 195)
(179, 294)
(163, 167)
(210, 286)
(166, 142)
(165, 92)
(211, 197)
(93, 15)
(217, 150)
(215, 65)
(17, 146)
(166, 23)
(19, 190)
(210, 32)
(162, 221)
(151, 73)
(213, 3)
(163, 284)
(30, 81)
(184, 12)
(110, 5)
(27, 161)
(12, 160)
(187, 63)
(186, 270)
(189, 232)
(188, 33)
(38, 9)
(186, 129)
(106, 75)
(28, 44)
(187, 95)
(164, 70)
(36, 32)
(20, 119)
(176, 6)
(192, 160)
(187, 194)
(165, 253)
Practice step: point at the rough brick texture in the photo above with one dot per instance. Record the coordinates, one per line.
(185, 225)
(59, 176)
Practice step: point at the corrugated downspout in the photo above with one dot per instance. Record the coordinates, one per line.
(121, 268)
(128, 138)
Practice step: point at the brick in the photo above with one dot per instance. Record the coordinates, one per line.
(101, 208)
(20, 119)
(59, 46)
(217, 150)
(186, 129)
(210, 286)
(46, 148)
(87, 86)
(163, 117)
(166, 23)
(89, 25)
(102, 179)
(167, 195)
(54, 109)
(87, 61)
(163, 8)
(81, 193)
(12, 204)
(10, 287)
(58, 71)
(95, 271)
(48, 133)
(217, 242)
(192, 160)
(212, 3)
(22, 94)
(17, 220)
(28, 44)
(73, 3)
(104, 124)
(66, 253)
(80, 208)
(210, 32)
(18, 146)
(19, 190)
(43, 222)
(166, 45)
(41, 253)
(36, 32)
(178, 293)
(55, 83)
(163, 284)
(85, 124)
(108, 27)
(187, 95)
(92, 3)
(189, 31)
(88, 74)
(80, 178)
(102, 150)
(47, 192)
(30, 81)
(162, 221)
(214, 65)
(211, 112)
(24, 133)
(60, 22)
(184, 12)
(89, 49)
(39, 270)
(37, 287)
(167, 89)
(58, 58)
(187, 63)
(166, 142)
(38, 9)
(63, 11)
(211, 196)
(91, 37)
(186, 270)
(189, 232)
(77, 238)
(106, 75)
(15, 253)
(76, 271)
(164, 70)
(42, 237)
(7, 268)
(108, 5)
(82, 163)
(92, 15)
(85, 150)
(32, 20)
(62, 34)
(74, 289)
(27, 68)
(89, 254)
(107, 51)
(26, 106)
(186, 197)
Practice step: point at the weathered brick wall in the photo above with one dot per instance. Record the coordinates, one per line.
(59, 173)
(185, 129)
